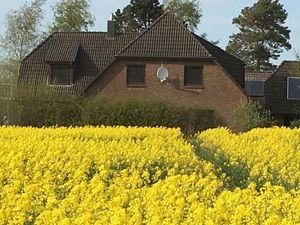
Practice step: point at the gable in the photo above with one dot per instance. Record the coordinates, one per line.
(166, 38)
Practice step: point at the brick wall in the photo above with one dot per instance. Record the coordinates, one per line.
(219, 92)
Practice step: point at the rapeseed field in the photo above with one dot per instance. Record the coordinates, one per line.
(118, 175)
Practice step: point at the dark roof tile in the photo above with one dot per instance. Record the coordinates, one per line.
(257, 76)
(167, 37)
(60, 50)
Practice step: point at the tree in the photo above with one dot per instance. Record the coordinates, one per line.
(138, 15)
(21, 36)
(72, 15)
(262, 34)
(188, 11)
(251, 114)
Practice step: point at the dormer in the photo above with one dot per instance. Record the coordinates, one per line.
(61, 57)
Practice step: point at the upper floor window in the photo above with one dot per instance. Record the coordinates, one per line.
(193, 76)
(61, 74)
(136, 75)
(255, 88)
(293, 88)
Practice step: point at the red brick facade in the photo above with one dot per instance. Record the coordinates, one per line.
(219, 91)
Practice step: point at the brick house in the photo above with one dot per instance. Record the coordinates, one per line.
(282, 93)
(255, 84)
(166, 61)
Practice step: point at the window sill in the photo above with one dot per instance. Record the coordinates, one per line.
(60, 85)
(136, 86)
(193, 87)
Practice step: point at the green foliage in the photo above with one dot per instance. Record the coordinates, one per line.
(134, 112)
(138, 15)
(251, 115)
(188, 11)
(9, 112)
(72, 15)
(295, 123)
(21, 36)
(262, 34)
(45, 107)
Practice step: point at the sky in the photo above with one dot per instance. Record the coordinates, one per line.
(216, 20)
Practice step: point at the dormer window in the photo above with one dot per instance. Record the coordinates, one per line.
(61, 57)
(61, 74)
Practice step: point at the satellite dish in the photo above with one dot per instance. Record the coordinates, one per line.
(162, 74)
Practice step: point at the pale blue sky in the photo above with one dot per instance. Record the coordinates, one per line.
(216, 20)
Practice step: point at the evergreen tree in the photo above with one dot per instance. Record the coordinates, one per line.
(72, 15)
(138, 15)
(187, 11)
(262, 34)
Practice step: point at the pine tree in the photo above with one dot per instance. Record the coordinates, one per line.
(138, 15)
(262, 34)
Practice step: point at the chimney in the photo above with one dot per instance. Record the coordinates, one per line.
(111, 30)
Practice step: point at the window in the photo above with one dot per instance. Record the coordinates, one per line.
(193, 76)
(293, 88)
(136, 75)
(255, 88)
(60, 75)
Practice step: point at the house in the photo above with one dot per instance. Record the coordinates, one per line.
(255, 84)
(282, 93)
(166, 61)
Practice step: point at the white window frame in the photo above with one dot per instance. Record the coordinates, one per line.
(287, 89)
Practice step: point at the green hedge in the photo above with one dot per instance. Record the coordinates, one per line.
(133, 112)
(44, 108)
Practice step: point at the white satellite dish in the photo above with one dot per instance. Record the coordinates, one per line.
(162, 74)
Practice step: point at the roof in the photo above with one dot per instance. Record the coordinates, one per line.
(166, 37)
(257, 76)
(94, 55)
(276, 90)
(62, 50)
(233, 65)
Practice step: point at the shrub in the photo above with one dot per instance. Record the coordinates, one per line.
(135, 112)
(251, 115)
(9, 112)
(45, 107)
(295, 123)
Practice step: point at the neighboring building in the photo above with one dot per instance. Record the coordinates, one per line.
(166, 61)
(283, 93)
(255, 84)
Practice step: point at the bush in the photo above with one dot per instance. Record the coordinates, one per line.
(295, 123)
(134, 112)
(251, 115)
(9, 112)
(44, 107)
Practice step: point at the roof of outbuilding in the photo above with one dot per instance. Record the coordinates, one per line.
(257, 76)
